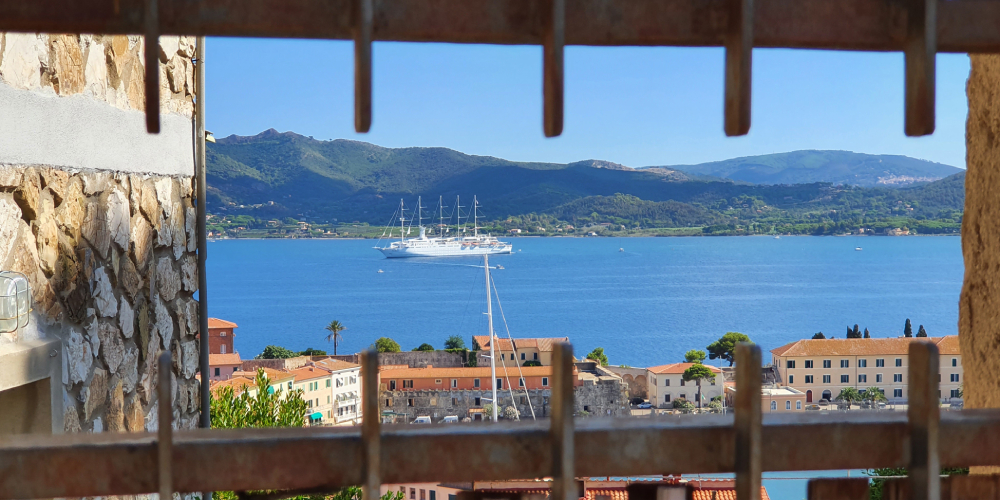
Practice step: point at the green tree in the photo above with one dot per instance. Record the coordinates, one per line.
(867, 335)
(921, 332)
(694, 356)
(598, 355)
(698, 372)
(511, 413)
(876, 487)
(267, 408)
(312, 352)
(849, 395)
(385, 344)
(424, 347)
(683, 404)
(354, 493)
(454, 342)
(276, 352)
(818, 336)
(873, 396)
(488, 412)
(907, 329)
(725, 347)
(335, 327)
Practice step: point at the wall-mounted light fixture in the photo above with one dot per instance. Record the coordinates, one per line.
(15, 301)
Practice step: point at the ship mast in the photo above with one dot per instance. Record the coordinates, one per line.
(458, 210)
(475, 215)
(441, 212)
(493, 343)
(402, 225)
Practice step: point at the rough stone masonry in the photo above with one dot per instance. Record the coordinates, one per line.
(99, 217)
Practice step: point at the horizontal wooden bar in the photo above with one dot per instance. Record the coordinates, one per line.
(876, 25)
(307, 459)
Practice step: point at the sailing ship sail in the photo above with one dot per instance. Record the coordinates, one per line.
(441, 245)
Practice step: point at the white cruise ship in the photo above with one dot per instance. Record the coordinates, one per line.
(441, 246)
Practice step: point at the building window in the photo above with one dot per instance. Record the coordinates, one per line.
(434, 401)
(713, 381)
(423, 494)
(790, 363)
(216, 372)
(222, 333)
(328, 400)
(809, 379)
(478, 401)
(388, 403)
(897, 377)
(499, 383)
(402, 489)
(798, 405)
(897, 393)
(666, 398)
(683, 396)
(788, 405)
(409, 402)
(522, 356)
(826, 379)
(774, 405)
(862, 363)
(475, 383)
(413, 494)
(433, 496)
(545, 381)
(878, 378)
(845, 363)
(520, 382)
(392, 385)
(437, 381)
(955, 393)
(666, 382)
(845, 379)
(954, 377)
(879, 363)
(512, 356)
(454, 383)
(827, 363)
(862, 379)
(899, 361)
(954, 361)
(682, 383)
(791, 379)
(454, 401)
(809, 363)
(407, 384)
(534, 356)
(328, 382)
(222, 348)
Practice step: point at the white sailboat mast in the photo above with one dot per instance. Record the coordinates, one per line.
(475, 222)
(493, 344)
(458, 211)
(402, 225)
(441, 216)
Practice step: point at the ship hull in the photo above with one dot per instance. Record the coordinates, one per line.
(449, 251)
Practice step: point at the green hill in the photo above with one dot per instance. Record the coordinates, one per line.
(836, 167)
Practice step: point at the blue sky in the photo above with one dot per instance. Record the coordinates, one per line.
(636, 106)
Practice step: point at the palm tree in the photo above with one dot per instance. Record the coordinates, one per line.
(850, 396)
(335, 327)
(873, 395)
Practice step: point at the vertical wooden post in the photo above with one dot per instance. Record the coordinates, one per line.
(553, 41)
(748, 422)
(371, 437)
(164, 427)
(363, 12)
(739, 61)
(920, 51)
(924, 412)
(152, 53)
(564, 485)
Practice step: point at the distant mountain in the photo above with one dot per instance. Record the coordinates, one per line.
(836, 167)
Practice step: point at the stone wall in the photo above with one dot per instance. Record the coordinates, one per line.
(603, 393)
(438, 404)
(413, 359)
(99, 216)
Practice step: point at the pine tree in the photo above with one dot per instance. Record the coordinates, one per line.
(857, 332)
(921, 332)
(867, 335)
(818, 335)
(850, 332)
(908, 329)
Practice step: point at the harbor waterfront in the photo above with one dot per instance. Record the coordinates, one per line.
(651, 302)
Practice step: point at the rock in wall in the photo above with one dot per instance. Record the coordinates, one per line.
(103, 253)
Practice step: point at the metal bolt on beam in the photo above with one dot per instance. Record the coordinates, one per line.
(747, 422)
(363, 13)
(561, 425)
(371, 436)
(152, 53)
(924, 416)
(739, 60)
(553, 43)
(165, 427)
(919, 52)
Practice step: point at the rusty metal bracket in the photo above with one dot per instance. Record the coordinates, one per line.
(152, 53)
(561, 425)
(739, 61)
(747, 422)
(165, 427)
(371, 437)
(553, 48)
(363, 13)
(920, 55)
(839, 488)
(924, 416)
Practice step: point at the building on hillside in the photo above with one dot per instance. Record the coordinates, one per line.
(520, 351)
(635, 379)
(238, 384)
(222, 366)
(463, 392)
(345, 391)
(666, 384)
(279, 381)
(220, 336)
(774, 399)
(316, 386)
(822, 368)
(592, 488)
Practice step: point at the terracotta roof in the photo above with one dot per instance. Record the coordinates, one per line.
(336, 364)
(239, 385)
(224, 359)
(611, 493)
(309, 373)
(273, 375)
(462, 372)
(543, 344)
(863, 347)
(678, 368)
(722, 494)
(220, 323)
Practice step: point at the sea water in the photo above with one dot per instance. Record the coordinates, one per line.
(645, 305)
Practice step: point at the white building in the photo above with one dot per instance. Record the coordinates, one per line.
(346, 391)
(666, 384)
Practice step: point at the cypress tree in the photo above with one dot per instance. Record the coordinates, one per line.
(921, 332)
(857, 332)
(867, 335)
(908, 329)
(849, 332)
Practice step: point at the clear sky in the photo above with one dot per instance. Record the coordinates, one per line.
(636, 106)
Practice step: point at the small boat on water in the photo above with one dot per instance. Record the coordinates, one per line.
(380, 271)
(777, 237)
(857, 249)
(621, 249)
(500, 267)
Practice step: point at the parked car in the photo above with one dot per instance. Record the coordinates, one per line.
(644, 406)
(450, 419)
(812, 407)
(421, 420)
